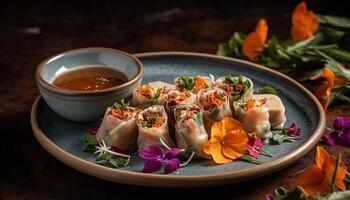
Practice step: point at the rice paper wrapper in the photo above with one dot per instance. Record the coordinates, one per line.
(151, 136)
(216, 114)
(209, 80)
(276, 110)
(256, 120)
(118, 133)
(142, 101)
(191, 134)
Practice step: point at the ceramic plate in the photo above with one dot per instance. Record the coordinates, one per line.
(64, 139)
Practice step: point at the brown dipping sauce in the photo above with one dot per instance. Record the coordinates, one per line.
(90, 79)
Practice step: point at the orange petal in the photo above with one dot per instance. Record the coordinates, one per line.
(230, 152)
(230, 124)
(312, 180)
(217, 131)
(340, 176)
(323, 92)
(254, 42)
(216, 153)
(206, 146)
(262, 29)
(305, 23)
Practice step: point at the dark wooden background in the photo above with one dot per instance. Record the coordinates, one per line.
(34, 30)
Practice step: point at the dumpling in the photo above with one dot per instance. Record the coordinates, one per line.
(190, 132)
(276, 110)
(215, 105)
(153, 93)
(254, 116)
(193, 84)
(118, 128)
(153, 125)
(238, 88)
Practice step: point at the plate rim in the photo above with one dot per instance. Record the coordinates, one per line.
(164, 180)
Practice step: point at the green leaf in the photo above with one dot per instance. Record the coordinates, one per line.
(344, 41)
(89, 143)
(154, 100)
(339, 54)
(118, 161)
(224, 50)
(105, 156)
(335, 21)
(251, 159)
(267, 90)
(121, 105)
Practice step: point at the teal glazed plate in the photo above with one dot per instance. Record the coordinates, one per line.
(64, 139)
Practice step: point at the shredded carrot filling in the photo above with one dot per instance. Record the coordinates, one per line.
(212, 100)
(177, 97)
(152, 118)
(146, 91)
(200, 83)
(123, 114)
(158, 122)
(251, 103)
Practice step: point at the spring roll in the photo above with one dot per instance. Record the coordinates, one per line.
(276, 110)
(118, 128)
(215, 105)
(190, 132)
(153, 124)
(193, 84)
(239, 88)
(175, 98)
(254, 116)
(153, 93)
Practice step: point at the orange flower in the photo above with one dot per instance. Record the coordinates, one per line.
(228, 141)
(323, 92)
(318, 178)
(254, 42)
(305, 23)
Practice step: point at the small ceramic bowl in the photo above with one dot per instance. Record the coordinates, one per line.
(87, 105)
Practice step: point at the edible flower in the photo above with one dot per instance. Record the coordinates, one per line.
(254, 42)
(228, 141)
(293, 129)
(305, 22)
(156, 158)
(323, 92)
(340, 135)
(254, 146)
(325, 176)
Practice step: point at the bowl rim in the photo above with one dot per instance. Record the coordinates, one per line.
(40, 80)
(187, 181)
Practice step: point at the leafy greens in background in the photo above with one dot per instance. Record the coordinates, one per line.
(303, 60)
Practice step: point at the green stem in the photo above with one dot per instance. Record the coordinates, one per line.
(335, 173)
(265, 152)
(329, 129)
(251, 159)
(328, 46)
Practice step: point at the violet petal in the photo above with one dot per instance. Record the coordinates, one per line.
(344, 138)
(152, 165)
(253, 152)
(172, 153)
(258, 143)
(151, 152)
(330, 139)
(171, 165)
(269, 197)
(341, 123)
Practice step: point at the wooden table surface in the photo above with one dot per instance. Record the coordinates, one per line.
(31, 32)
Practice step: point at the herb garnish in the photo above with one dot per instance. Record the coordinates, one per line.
(154, 99)
(239, 86)
(121, 105)
(186, 82)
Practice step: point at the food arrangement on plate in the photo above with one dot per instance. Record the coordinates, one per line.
(197, 117)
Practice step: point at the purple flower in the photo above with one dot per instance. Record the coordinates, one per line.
(156, 158)
(293, 129)
(341, 133)
(269, 197)
(93, 130)
(254, 147)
